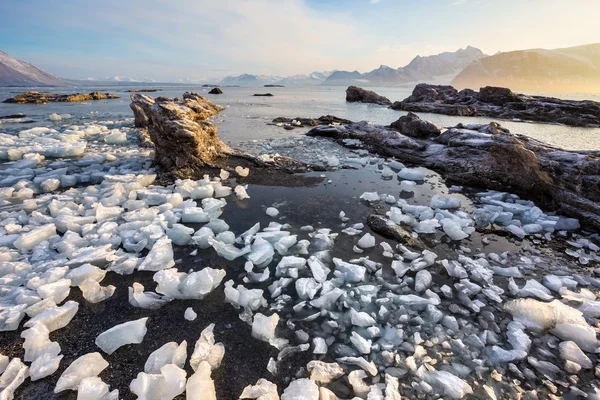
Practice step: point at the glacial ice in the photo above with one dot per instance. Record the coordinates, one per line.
(263, 390)
(206, 350)
(131, 332)
(86, 366)
(189, 314)
(301, 389)
(169, 353)
(200, 385)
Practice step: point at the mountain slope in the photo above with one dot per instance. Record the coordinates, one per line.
(14, 72)
(313, 79)
(419, 69)
(249, 80)
(572, 69)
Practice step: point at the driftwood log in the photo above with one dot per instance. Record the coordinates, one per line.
(489, 156)
(186, 142)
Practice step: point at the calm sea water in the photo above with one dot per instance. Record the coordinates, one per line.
(246, 116)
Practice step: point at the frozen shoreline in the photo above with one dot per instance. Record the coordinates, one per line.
(413, 312)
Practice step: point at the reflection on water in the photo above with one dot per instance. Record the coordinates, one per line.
(246, 116)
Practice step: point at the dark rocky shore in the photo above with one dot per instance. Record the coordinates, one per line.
(497, 102)
(42, 97)
(488, 156)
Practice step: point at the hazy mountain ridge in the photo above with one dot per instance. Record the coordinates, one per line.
(14, 72)
(419, 69)
(572, 69)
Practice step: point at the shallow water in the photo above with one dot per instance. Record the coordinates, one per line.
(246, 116)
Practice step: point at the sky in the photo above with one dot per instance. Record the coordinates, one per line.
(204, 40)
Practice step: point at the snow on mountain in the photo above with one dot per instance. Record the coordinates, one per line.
(249, 80)
(312, 79)
(14, 72)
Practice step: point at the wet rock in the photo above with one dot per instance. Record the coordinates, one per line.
(413, 126)
(215, 91)
(42, 97)
(263, 94)
(492, 157)
(355, 94)
(502, 103)
(380, 225)
(322, 120)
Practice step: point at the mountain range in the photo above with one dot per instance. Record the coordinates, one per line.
(14, 72)
(572, 69)
(418, 70)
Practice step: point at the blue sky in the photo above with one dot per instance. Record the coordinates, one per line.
(207, 39)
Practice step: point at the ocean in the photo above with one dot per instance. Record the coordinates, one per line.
(246, 116)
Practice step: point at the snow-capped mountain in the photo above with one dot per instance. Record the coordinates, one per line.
(572, 69)
(14, 72)
(312, 79)
(419, 69)
(126, 79)
(249, 80)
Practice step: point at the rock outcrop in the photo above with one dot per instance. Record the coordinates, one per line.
(42, 98)
(322, 120)
(501, 103)
(187, 144)
(215, 91)
(264, 95)
(413, 126)
(355, 94)
(490, 156)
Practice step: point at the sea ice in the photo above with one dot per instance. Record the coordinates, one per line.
(367, 241)
(411, 174)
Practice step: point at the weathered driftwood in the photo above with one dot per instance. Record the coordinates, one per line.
(497, 102)
(186, 143)
(491, 157)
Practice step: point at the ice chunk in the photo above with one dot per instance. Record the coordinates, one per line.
(367, 241)
(14, 375)
(444, 202)
(189, 314)
(86, 366)
(583, 335)
(263, 390)
(56, 317)
(169, 353)
(206, 350)
(83, 272)
(224, 175)
(50, 185)
(301, 389)
(93, 388)
(148, 300)
(56, 291)
(169, 384)
(29, 240)
(241, 171)
(422, 280)
(44, 366)
(262, 252)
(94, 293)
(263, 328)
(116, 137)
(323, 372)
(449, 384)
(251, 299)
(37, 342)
(159, 257)
(411, 174)
(272, 212)
(200, 385)
(453, 230)
(131, 332)
(538, 316)
(407, 186)
(240, 192)
(370, 196)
